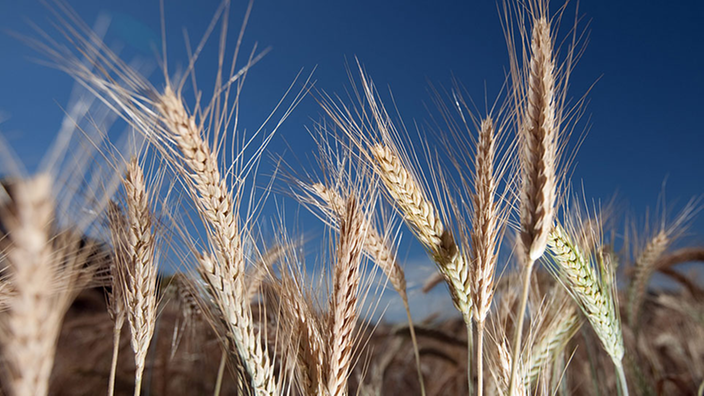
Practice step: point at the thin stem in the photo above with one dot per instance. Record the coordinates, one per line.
(113, 367)
(416, 352)
(519, 328)
(470, 340)
(480, 358)
(622, 378)
(221, 372)
(138, 381)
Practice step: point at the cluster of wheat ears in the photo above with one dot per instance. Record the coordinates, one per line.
(182, 193)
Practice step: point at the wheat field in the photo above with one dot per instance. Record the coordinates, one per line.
(140, 264)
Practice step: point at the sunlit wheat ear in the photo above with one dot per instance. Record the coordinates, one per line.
(593, 289)
(382, 254)
(485, 223)
(343, 304)
(224, 271)
(550, 342)
(538, 137)
(538, 150)
(422, 216)
(374, 244)
(484, 236)
(140, 274)
(32, 324)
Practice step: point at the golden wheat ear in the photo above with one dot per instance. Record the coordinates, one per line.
(224, 271)
(345, 295)
(139, 272)
(539, 115)
(378, 250)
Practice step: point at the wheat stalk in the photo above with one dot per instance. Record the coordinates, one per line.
(538, 142)
(593, 291)
(420, 213)
(225, 271)
(376, 247)
(484, 237)
(344, 314)
(140, 268)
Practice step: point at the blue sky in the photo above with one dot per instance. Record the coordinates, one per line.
(645, 109)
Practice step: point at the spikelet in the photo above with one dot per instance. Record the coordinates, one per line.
(301, 326)
(644, 266)
(381, 253)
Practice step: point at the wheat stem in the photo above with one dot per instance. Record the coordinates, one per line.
(221, 373)
(518, 336)
(480, 358)
(113, 365)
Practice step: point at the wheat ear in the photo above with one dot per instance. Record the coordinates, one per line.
(538, 154)
(594, 292)
(306, 343)
(644, 267)
(33, 321)
(420, 213)
(501, 369)
(484, 237)
(344, 314)
(225, 271)
(376, 247)
(140, 268)
(551, 341)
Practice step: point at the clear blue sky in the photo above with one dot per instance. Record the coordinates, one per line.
(648, 57)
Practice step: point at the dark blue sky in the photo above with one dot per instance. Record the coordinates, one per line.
(645, 109)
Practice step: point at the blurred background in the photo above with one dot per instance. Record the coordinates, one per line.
(642, 72)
